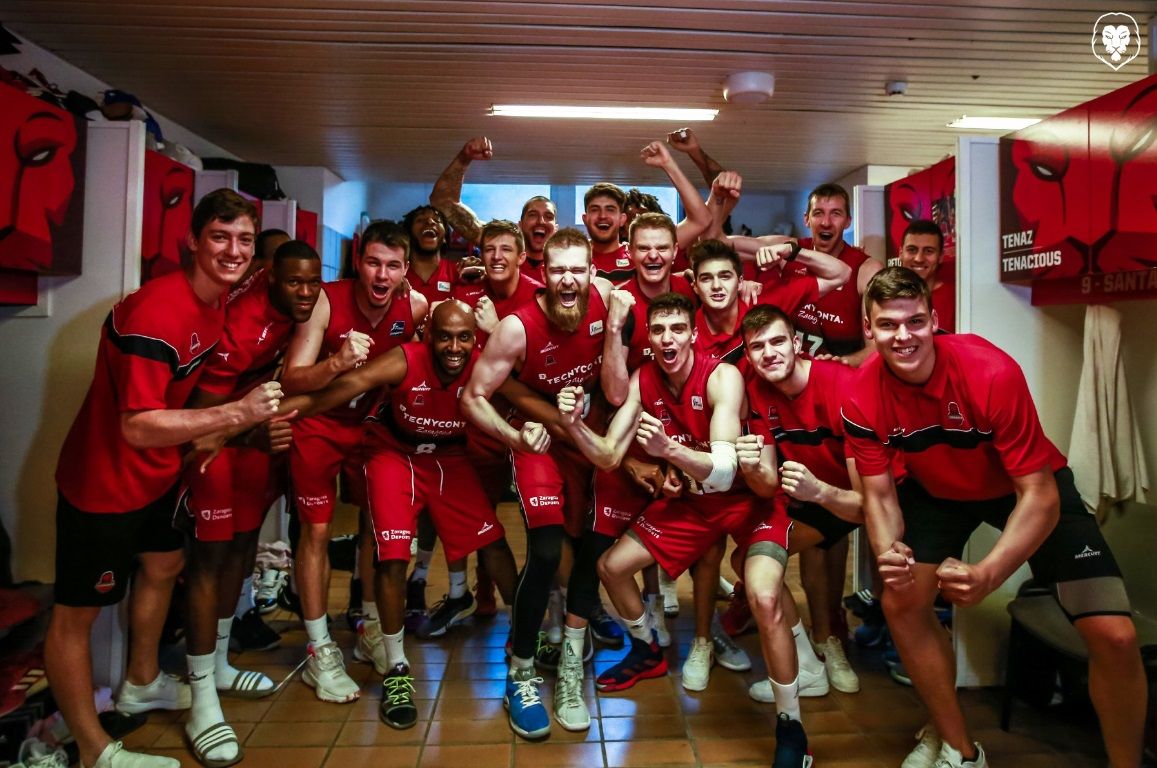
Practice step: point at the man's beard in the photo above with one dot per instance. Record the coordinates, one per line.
(567, 318)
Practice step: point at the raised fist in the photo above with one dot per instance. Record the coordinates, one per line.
(683, 140)
(478, 148)
(655, 155)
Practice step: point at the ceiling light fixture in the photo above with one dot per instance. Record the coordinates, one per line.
(603, 113)
(748, 88)
(966, 123)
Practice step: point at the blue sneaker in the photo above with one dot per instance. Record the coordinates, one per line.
(528, 716)
(605, 629)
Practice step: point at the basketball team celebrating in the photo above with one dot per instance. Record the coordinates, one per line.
(651, 388)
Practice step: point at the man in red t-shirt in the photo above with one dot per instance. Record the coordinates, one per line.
(921, 251)
(959, 413)
(118, 471)
(355, 320)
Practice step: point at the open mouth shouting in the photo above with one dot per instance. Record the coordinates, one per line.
(380, 292)
(668, 355)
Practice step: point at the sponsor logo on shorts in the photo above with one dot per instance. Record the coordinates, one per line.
(217, 514)
(105, 583)
(486, 528)
(615, 513)
(651, 530)
(542, 501)
(312, 501)
(398, 328)
(395, 534)
(596, 327)
(696, 402)
(194, 343)
(1087, 552)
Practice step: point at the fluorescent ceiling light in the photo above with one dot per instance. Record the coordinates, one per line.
(966, 123)
(604, 113)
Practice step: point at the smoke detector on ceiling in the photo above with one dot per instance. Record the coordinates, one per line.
(749, 88)
(895, 87)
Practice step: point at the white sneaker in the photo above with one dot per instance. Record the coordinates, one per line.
(34, 753)
(727, 653)
(840, 673)
(166, 692)
(926, 752)
(269, 586)
(325, 673)
(697, 668)
(811, 685)
(950, 758)
(569, 708)
(670, 593)
(554, 617)
(116, 756)
(371, 646)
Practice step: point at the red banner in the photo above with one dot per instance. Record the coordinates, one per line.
(1096, 289)
(168, 215)
(928, 194)
(307, 227)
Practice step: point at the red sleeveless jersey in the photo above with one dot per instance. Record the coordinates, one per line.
(421, 414)
(615, 266)
(635, 335)
(832, 324)
(725, 345)
(441, 282)
(524, 293)
(397, 327)
(555, 358)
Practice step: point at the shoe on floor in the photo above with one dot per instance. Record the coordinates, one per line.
(898, 673)
(605, 629)
(116, 756)
(737, 619)
(871, 635)
(570, 710)
(269, 585)
(927, 749)
(251, 633)
(790, 744)
(727, 653)
(950, 758)
(448, 612)
(555, 615)
(166, 692)
(523, 702)
(659, 622)
(642, 662)
(397, 709)
(34, 753)
(697, 667)
(670, 593)
(840, 673)
(371, 646)
(546, 656)
(811, 685)
(325, 674)
(416, 596)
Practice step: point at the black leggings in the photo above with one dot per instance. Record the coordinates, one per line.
(582, 594)
(531, 594)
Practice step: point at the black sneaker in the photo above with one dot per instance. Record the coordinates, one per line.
(343, 553)
(605, 629)
(250, 633)
(416, 596)
(790, 744)
(447, 613)
(546, 656)
(398, 709)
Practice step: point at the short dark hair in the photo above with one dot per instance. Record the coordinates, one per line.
(567, 237)
(537, 199)
(671, 302)
(497, 227)
(705, 250)
(830, 190)
(644, 201)
(606, 189)
(223, 205)
(264, 237)
(925, 227)
(387, 232)
(762, 315)
(412, 215)
(896, 283)
(294, 249)
(652, 220)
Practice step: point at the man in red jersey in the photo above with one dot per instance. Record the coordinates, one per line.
(226, 500)
(355, 320)
(118, 471)
(795, 402)
(554, 342)
(417, 459)
(429, 273)
(538, 221)
(684, 409)
(921, 251)
(959, 413)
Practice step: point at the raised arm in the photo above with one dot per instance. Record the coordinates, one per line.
(830, 272)
(721, 201)
(447, 193)
(698, 217)
(387, 370)
(604, 451)
(614, 376)
(686, 141)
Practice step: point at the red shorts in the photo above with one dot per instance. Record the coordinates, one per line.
(232, 495)
(554, 488)
(679, 531)
(323, 447)
(491, 461)
(618, 500)
(399, 486)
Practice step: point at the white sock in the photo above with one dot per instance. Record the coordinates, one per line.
(786, 697)
(804, 650)
(206, 709)
(370, 610)
(245, 602)
(639, 628)
(521, 669)
(655, 606)
(226, 674)
(395, 651)
(457, 584)
(318, 631)
(422, 565)
(575, 638)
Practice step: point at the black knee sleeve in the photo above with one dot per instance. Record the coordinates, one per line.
(543, 552)
(582, 594)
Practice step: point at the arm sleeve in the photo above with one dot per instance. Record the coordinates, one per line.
(862, 443)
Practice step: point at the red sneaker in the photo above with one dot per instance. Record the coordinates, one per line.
(737, 619)
(642, 662)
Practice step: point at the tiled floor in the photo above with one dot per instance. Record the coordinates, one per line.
(462, 723)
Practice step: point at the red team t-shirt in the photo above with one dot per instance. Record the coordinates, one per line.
(832, 324)
(963, 434)
(153, 348)
(944, 302)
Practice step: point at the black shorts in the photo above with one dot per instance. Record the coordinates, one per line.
(832, 528)
(1074, 559)
(96, 552)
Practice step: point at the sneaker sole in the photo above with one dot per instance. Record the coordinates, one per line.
(137, 709)
(397, 726)
(811, 692)
(657, 671)
(844, 688)
(695, 687)
(458, 619)
(734, 666)
(575, 728)
(308, 678)
(541, 733)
